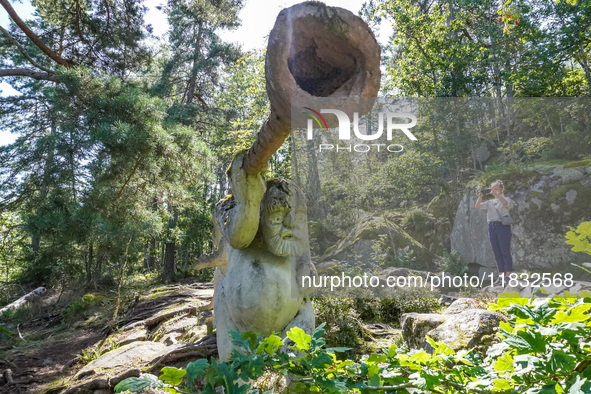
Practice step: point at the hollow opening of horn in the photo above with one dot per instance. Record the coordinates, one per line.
(321, 59)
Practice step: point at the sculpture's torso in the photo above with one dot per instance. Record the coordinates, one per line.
(258, 289)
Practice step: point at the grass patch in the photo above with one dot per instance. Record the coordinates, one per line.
(579, 163)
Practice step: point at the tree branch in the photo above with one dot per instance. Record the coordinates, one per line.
(32, 36)
(22, 50)
(25, 72)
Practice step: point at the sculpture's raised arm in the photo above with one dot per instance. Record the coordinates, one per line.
(238, 216)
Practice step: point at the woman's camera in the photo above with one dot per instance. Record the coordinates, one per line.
(485, 191)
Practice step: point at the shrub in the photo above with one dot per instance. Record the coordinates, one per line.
(390, 309)
(341, 320)
(526, 150)
(453, 264)
(580, 239)
(83, 305)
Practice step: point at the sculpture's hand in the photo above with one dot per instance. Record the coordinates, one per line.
(246, 189)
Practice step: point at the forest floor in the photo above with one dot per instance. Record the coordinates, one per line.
(36, 367)
(61, 334)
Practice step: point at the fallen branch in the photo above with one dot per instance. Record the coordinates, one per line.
(24, 299)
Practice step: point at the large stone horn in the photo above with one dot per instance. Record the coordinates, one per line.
(315, 52)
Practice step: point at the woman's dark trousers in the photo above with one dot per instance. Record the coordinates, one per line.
(500, 240)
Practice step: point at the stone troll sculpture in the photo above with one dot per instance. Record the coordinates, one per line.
(315, 53)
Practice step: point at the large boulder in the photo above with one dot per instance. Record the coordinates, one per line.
(467, 329)
(415, 327)
(549, 198)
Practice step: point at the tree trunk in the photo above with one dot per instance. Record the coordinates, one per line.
(89, 263)
(313, 182)
(47, 171)
(194, 68)
(169, 268)
(98, 270)
(295, 171)
(150, 259)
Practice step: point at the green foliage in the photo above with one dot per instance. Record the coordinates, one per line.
(521, 48)
(417, 220)
(5, 332)
(83, 306)
(390, 309)
(404, 258)
(341, 319)
(12, 245)
(407, 176)
(526, 150)
(453, 264)
(244, 95)
(580, 238)
(543, 348)
(120, 161)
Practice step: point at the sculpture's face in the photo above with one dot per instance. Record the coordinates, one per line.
(285, 230)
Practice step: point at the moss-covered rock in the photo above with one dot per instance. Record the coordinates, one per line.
(415, 327)
(467, 329)
(358, 247)
(425, 227)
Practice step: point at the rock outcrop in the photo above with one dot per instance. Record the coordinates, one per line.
(358, 245)
(462, 326)
(169, 327)
(415, 327)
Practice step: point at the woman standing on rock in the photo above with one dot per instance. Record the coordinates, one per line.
(497, 215)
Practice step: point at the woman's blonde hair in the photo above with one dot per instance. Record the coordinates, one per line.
(498, 182)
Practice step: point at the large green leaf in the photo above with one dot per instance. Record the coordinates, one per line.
(299, 338)
(195, 370)
(173, 376)
(270, 345)
(504, 363)
(137, 384)
(561, 361)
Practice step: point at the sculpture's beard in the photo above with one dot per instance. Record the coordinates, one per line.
(280, 246)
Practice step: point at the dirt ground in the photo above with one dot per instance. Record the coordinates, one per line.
(35, 368)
